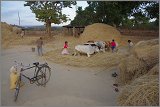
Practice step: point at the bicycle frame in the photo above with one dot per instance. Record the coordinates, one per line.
(21, 74)
(34, 78)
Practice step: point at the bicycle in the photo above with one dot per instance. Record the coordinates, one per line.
(41, 76)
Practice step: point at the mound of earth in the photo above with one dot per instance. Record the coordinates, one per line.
(100, 31)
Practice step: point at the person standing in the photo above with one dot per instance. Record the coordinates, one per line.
(39, 46)
(130, 45)
(113, 45)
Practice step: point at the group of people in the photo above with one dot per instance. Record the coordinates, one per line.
(112, 44)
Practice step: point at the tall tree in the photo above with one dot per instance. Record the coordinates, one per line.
(84, 17)
(118, 13)
(153, 11)
(50, 11)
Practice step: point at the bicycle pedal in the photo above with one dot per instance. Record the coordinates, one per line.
(31, 82)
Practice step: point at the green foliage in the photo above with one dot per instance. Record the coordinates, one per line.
(118, 13)
(50, 10)
(84, 17)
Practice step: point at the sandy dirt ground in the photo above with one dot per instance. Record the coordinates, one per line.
(68, 86)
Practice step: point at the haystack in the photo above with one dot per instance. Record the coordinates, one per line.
(154, 70)
(99, 31)
(143, 91)
(10, 38)
(148, 51)
(5, 26)
(145, 56)
(17, 30)
(130, 68)
(7, 34)
(147, 43)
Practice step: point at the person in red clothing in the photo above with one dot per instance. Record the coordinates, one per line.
(113, 45)
(65, 51)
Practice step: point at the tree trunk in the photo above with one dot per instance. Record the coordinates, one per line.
(48, 28)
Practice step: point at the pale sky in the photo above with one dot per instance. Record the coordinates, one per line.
(9, 13)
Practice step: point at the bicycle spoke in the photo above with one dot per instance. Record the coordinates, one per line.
(44, 72)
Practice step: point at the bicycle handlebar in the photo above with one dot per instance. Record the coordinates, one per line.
(22, 66)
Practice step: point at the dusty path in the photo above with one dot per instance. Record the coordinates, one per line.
(68, 85)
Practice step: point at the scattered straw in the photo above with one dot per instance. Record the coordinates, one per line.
(106, 59)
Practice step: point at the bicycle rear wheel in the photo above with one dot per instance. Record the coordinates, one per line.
(43, 75)
(17, 90)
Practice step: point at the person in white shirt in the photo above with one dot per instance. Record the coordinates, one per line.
(130, 44)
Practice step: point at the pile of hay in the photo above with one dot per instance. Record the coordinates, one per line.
(6, 27)
(154, 70)
(143, 91)
(147, 51)
(130, 68)
(7, 34)
(11, 38)
(17, 30)
(100, 31)
(145, 56)
(139, 72)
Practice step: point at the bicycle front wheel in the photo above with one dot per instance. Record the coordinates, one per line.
(17, 90)
(43, 75)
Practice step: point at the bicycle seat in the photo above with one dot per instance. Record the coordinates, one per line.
(36, 63)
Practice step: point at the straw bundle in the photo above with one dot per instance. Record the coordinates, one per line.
(144, 91)
(154, 70)
(147, 52)
(99, 31)
(130, 68)
(147, 42)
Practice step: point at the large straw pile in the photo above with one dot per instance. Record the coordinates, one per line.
(144, 57)
(139, 72)
(11, 38)
(143, 91)
(148, 52)
(154, 70)
(16, 30)
(7, 34)
(130, 68)
(99, 31)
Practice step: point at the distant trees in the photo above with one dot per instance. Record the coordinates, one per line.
(49, 11)
(84, 17)
(119, 13)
